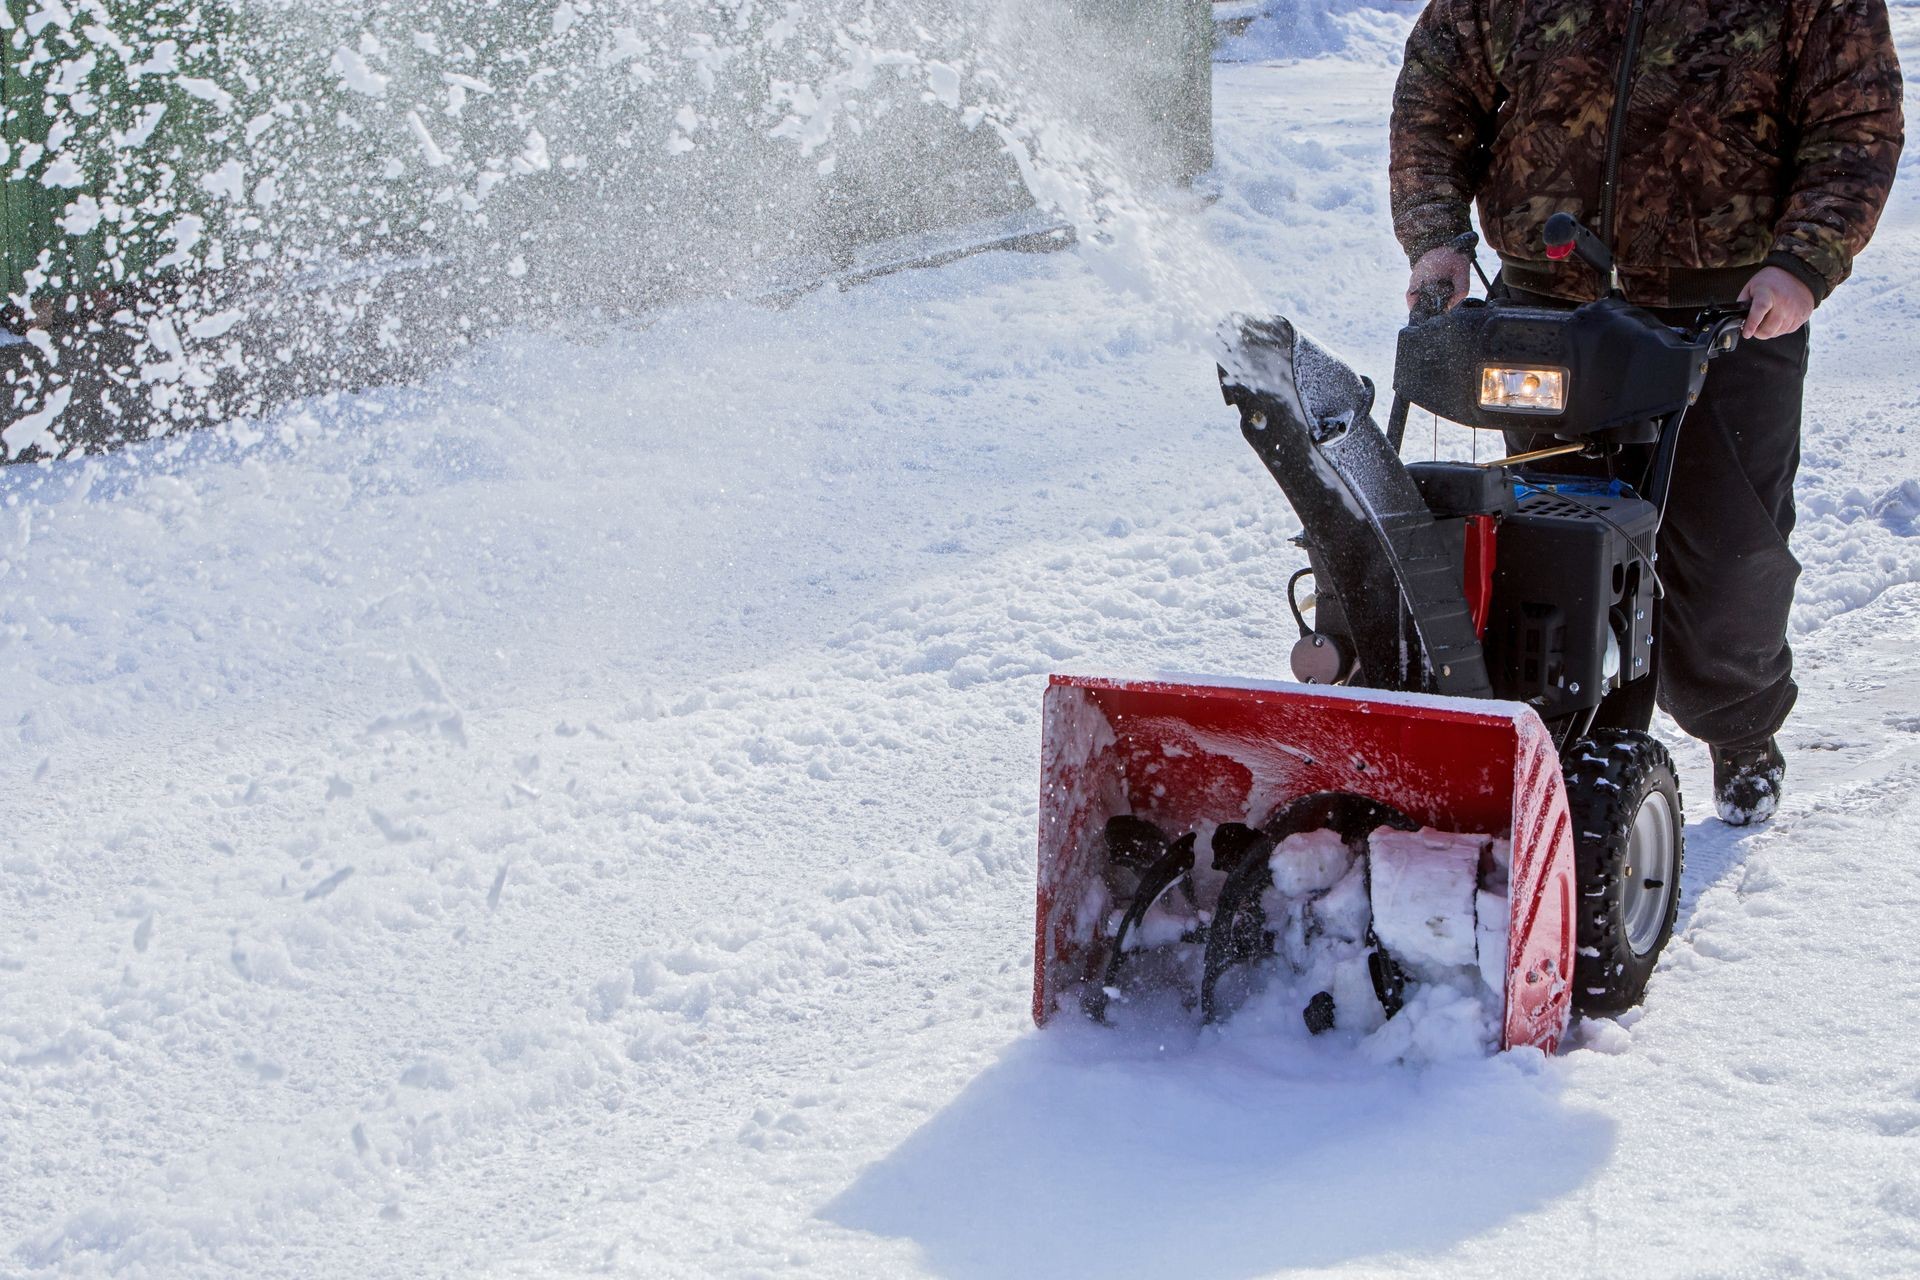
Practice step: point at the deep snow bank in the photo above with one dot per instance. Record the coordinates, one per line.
(1369, 30)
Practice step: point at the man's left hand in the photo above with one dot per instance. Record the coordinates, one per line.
(1781, 304)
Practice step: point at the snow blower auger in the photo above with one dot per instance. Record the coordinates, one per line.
(1461, 782)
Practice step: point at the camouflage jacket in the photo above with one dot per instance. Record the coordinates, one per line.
(1755, 131)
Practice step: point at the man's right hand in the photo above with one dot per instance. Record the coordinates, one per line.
(1440, 266)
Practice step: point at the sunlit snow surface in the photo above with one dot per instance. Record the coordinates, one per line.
(577, 815)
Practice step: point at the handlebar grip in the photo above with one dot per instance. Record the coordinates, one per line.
(1564, 237)
(1430, 300)
(1722, 326)
(1560, 235)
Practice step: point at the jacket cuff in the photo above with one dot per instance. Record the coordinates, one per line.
(1435, 233)
(1797, 267)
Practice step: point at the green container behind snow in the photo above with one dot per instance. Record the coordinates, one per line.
(134, 115)
(123, 152)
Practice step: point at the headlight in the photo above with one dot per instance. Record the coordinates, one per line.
(1523, 390)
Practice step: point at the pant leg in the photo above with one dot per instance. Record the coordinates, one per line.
(1726, 671)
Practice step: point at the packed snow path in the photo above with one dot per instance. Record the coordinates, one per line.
(577, 816)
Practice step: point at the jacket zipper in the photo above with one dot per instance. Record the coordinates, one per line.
(1617, 126)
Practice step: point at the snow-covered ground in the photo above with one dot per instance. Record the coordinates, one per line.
(577, 816)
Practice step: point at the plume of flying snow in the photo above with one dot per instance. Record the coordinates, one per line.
(429, 171)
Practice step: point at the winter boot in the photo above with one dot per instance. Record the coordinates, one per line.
(1746, 782)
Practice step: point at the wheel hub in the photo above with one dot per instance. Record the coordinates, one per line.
(1649, 874)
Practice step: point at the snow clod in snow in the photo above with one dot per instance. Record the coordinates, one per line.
(1424, 883)
(1310, 862)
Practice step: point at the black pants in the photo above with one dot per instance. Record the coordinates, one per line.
(1724, 669)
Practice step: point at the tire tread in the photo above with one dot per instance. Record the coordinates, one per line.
(1609, 776)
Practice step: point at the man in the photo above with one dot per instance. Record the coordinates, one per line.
(1727, 150)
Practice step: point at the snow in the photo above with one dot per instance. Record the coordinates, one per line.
(575, 814)
(1310, 862)
(1417, 891)
(1424, 887)
(1492, 921)
(1408, 889)
(1274, 29)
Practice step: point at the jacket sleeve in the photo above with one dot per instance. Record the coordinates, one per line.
(1443, 116)
(1847, 132)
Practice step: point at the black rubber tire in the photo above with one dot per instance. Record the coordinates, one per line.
(1610, 776)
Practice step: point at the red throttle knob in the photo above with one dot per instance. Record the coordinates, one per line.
(1561, 233)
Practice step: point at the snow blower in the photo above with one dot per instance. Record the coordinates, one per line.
(1459, 785)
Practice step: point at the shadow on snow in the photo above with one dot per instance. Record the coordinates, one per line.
(1080, 1154)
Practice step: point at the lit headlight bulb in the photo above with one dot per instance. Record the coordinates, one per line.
(1522, 390)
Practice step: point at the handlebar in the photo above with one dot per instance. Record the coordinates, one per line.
(1430, 300)
(1435, 297)
(1564, 237)
(1721, 326)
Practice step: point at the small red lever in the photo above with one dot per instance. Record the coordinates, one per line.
(1560, 252)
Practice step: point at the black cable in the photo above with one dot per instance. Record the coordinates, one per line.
(1586, 726)
(1299, 618)
(1659, 587)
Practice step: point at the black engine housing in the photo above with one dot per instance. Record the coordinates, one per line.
(1573, 582)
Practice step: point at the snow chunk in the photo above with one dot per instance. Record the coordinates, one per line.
(1356, 1005)
(534, 157)
(216, 326)
(81, 217)
(229, 182)
(144, 124)
(943, 83)
(1424, 883)
(185, 234)
(356, 74)
(1492, 913)
(205, 90)
(429, 149)
(1344, 912)
(37, 428)
(1437, 1023)
(165, 61)
(1310, 862)
(62, 172)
